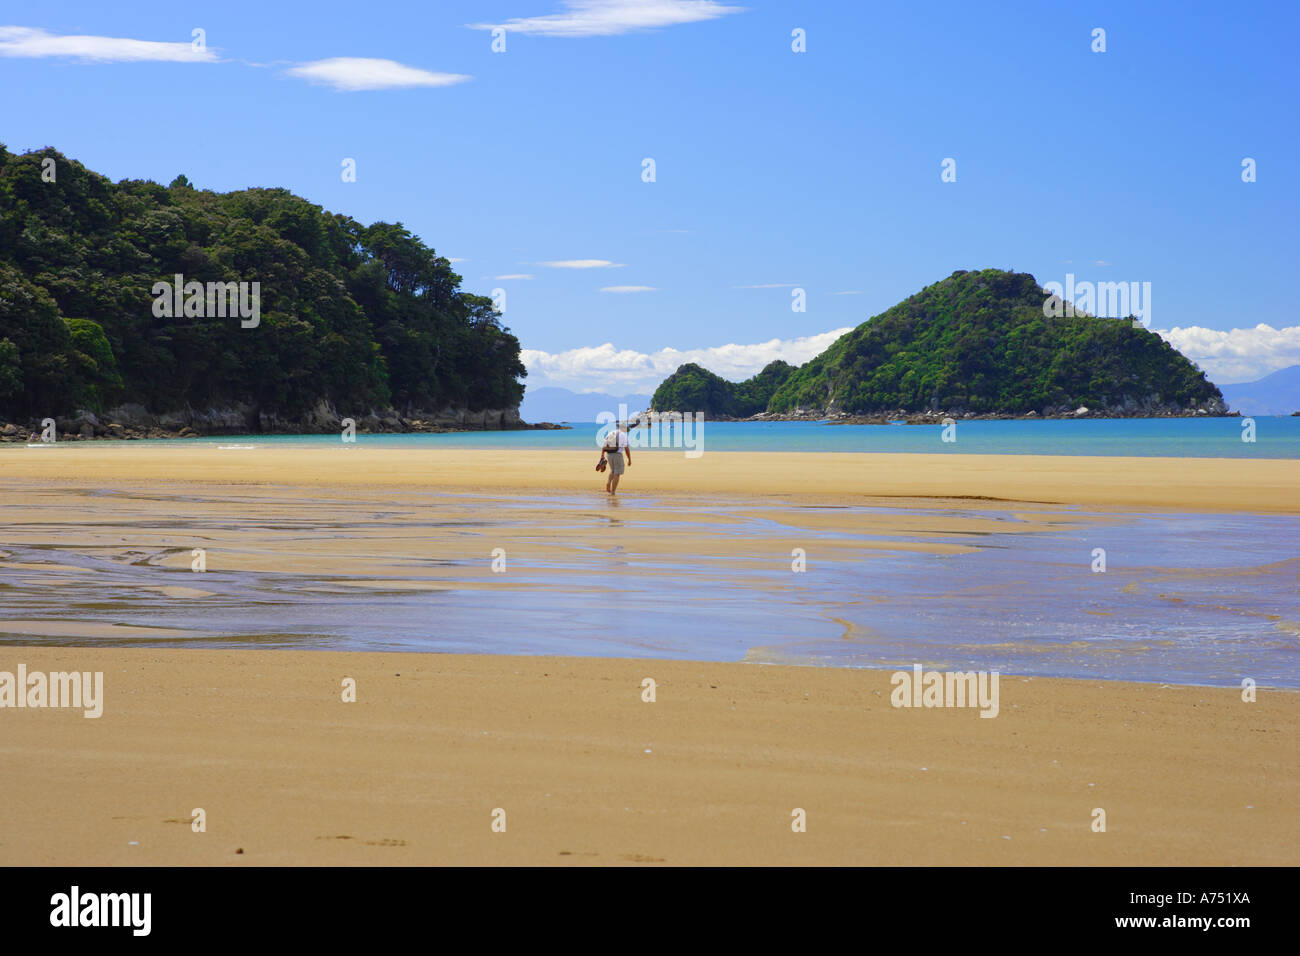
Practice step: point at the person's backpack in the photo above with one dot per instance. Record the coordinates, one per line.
(611, 441)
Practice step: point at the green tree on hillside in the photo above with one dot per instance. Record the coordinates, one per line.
(695, 389)
(361, 316)
(978, 341)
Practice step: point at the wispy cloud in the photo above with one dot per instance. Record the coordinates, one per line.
(583, 264)
(850, 292)
(516, 275)
(1238, 355)
(454, 259)
(33, 43)
(629, 288)
(597, 18)
(767, 285)
(350, 74)
(606, 368)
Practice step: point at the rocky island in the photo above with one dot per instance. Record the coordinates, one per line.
(974, 345)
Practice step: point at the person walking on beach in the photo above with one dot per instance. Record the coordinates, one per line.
(612, 455)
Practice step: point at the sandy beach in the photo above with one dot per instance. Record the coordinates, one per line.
(586, 772)
(1191, 484)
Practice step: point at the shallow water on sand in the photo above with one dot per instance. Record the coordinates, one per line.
(1189, 599)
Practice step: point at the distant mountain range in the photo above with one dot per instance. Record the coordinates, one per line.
(1275, 394)
(552, 404)
(990, 342)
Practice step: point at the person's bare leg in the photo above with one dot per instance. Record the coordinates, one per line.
(613, 484)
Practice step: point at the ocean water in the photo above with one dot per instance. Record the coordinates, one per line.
(1275, 437)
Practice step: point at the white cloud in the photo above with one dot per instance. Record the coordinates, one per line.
(767, 285)
(584, 264)
(850, 292)
(352, 73)
(629, 288)
(33, 43)
(606, 368)
(594, 18)
(1239, 355)
(454, 259)
(518, 275)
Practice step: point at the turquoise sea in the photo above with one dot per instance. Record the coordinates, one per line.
(1275, 437)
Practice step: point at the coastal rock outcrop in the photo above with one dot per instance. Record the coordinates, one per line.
(134, 421)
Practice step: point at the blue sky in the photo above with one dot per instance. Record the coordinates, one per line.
(819, 170)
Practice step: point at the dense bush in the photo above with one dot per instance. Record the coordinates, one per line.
(695, 389)
(979, 341)
(976, 341)
(360, 316)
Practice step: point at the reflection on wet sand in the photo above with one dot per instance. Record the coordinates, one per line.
(1184, 598)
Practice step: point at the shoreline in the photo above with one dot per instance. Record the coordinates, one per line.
(12, 433)
(75, 428)
(936, 418)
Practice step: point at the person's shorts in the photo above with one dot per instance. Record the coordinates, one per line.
(615, 459)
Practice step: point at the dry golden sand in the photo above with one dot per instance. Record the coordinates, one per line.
(1191, 484)
(411, 772)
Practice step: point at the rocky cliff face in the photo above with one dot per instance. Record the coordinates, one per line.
(135, 421)
(1149, 408)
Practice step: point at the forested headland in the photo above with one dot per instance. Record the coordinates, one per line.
(352, 320)
(974, 344)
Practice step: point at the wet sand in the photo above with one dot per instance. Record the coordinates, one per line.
(1188, 599)
(588, 773)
